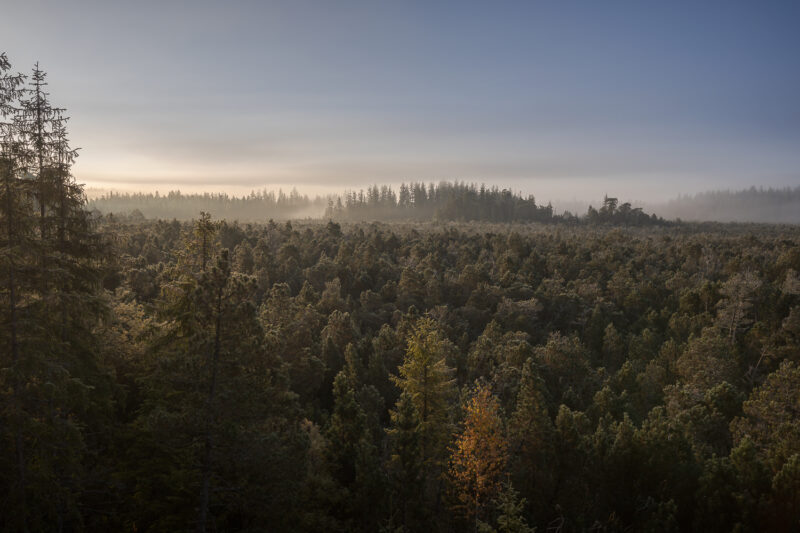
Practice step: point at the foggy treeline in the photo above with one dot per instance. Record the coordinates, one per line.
(258, 205)
(454, 201)
(445, 201)
(781, 205)
(451, 201)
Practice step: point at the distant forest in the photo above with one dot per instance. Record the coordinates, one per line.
(452, 201)
(748, 205)
(261, 205)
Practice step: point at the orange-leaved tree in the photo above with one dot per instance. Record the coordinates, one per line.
(479, 455)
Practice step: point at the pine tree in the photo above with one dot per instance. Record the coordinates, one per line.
(531, 437)
(428, 381)
(353, 459)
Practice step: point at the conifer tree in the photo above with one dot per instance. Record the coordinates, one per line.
(353, 459)
(217, 405)
(405, 462)
(15, 246)
(531, 436)
(51, 286)
(44, 128)
(426, 378)
(428, 381)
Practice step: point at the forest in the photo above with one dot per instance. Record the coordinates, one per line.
(507, 371)
(445, 201)
(454, 201)
(768, 205)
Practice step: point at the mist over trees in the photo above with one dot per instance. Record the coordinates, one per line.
(608, 373)
(416, 201)
(749, 205)
(455, 201)
(257, 206)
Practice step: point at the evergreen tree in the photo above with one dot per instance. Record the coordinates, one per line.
(217, 407)
(426, 378)
(57, 385)
(405, 463)
(353, 459)
(44, 128)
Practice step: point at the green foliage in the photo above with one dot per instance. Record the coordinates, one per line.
(55, 391)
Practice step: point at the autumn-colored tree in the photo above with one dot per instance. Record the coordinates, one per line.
(479, 455)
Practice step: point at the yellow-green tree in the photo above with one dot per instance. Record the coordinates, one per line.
(427, 382)
(426, 378)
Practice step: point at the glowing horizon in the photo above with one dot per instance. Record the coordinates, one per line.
(566, 103)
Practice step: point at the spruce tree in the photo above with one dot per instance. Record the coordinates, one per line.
(217, 407)
(15, 246)
(51, 295)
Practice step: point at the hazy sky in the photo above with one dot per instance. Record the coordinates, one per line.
(563, 99)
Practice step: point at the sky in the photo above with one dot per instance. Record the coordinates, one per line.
(562, 99)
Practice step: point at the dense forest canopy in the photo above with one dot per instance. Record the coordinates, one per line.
(464, 374)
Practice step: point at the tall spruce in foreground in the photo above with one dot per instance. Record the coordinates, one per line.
(15, 245)
(51, 305)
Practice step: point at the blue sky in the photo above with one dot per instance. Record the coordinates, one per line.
(561, 99)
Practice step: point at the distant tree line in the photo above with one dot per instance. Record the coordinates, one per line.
(416, 201)
(258, 205)
(445, 201)
(469, 202)
(769, 205)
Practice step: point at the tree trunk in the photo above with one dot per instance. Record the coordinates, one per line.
(14, 341)
(208, 445)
